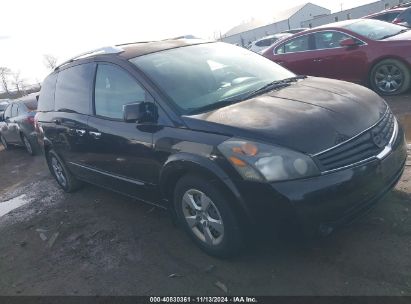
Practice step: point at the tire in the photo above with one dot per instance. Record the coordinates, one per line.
(4, 143)
(30, 147)
(215, 229)
(390, 77)
(63, 176)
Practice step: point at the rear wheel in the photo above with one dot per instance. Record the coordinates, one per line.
(390, 77)
(4, 142)
(28, 145)
(63, 176)
(205, 214)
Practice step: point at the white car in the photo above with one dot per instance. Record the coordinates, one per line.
(260, 45)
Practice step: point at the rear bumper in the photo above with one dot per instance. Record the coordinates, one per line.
(330, 199)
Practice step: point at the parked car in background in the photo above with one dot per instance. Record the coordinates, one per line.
(260, 45)
(225, 139)
(3, 105)
(295, 30)
(400, 15)
(17, 124)
(365, 51)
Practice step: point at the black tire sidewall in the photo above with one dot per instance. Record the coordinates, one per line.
(33, 151)
(2, 139)
(72, 182)
(232, 240)
(404, 69)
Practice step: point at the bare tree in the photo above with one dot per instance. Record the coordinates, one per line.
(50, 61)
(4, 75)
(19, 83)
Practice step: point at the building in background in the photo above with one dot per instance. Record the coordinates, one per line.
(247, 32)
(305, 15)
(353, 13)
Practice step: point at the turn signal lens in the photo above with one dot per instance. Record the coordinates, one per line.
(237, 162)
(247, 148)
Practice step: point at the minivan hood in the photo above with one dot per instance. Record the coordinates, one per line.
(310, 115)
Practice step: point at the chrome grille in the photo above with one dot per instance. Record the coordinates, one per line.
(359, 148)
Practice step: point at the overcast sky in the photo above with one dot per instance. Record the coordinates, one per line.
(63, 28)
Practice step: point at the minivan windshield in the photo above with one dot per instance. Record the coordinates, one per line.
(375, 29)
(204, 76)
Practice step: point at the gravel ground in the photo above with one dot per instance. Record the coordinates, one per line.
(94, 242)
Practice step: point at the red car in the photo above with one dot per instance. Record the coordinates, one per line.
(365, 51)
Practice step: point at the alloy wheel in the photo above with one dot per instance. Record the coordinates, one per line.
(388, 78)
(58, 171)
(203, 217)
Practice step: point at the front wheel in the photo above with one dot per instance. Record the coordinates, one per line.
(206, 215)
(390, 77)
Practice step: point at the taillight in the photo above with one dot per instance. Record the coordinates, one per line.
(30, 120)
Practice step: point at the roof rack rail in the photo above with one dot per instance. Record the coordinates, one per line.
(128, 43)
(99, 51)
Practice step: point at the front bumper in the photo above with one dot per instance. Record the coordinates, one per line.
(331, 199)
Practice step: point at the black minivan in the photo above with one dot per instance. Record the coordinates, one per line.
(223, 137)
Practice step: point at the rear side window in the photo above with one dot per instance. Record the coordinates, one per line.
(14, 110)
(31, 105)
(7, 113)
(299, 44)
(73, 89)
(265, 42)
(115, 88)
(329, 39)
(46, 99)
(22, 109)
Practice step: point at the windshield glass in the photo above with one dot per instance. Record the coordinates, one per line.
(204, 75)
(375, 29)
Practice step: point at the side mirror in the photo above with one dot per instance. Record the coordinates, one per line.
(349, 42)
(140, 112)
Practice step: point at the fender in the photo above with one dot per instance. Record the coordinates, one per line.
(183, 161)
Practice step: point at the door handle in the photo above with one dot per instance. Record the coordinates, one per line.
(318, 60)
(95, 135)
(80, 132)
(57, 121)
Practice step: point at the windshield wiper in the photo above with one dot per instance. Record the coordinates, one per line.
(391, 35)
(274, 85)
(231, 100)
(218, 104)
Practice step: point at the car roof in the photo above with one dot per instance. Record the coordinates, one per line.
(274, 36)
(135, 49)
(338, 24)
(132, 50)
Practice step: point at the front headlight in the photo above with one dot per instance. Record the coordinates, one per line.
(262, 162)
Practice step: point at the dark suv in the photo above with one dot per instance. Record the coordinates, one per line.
(224, 138)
